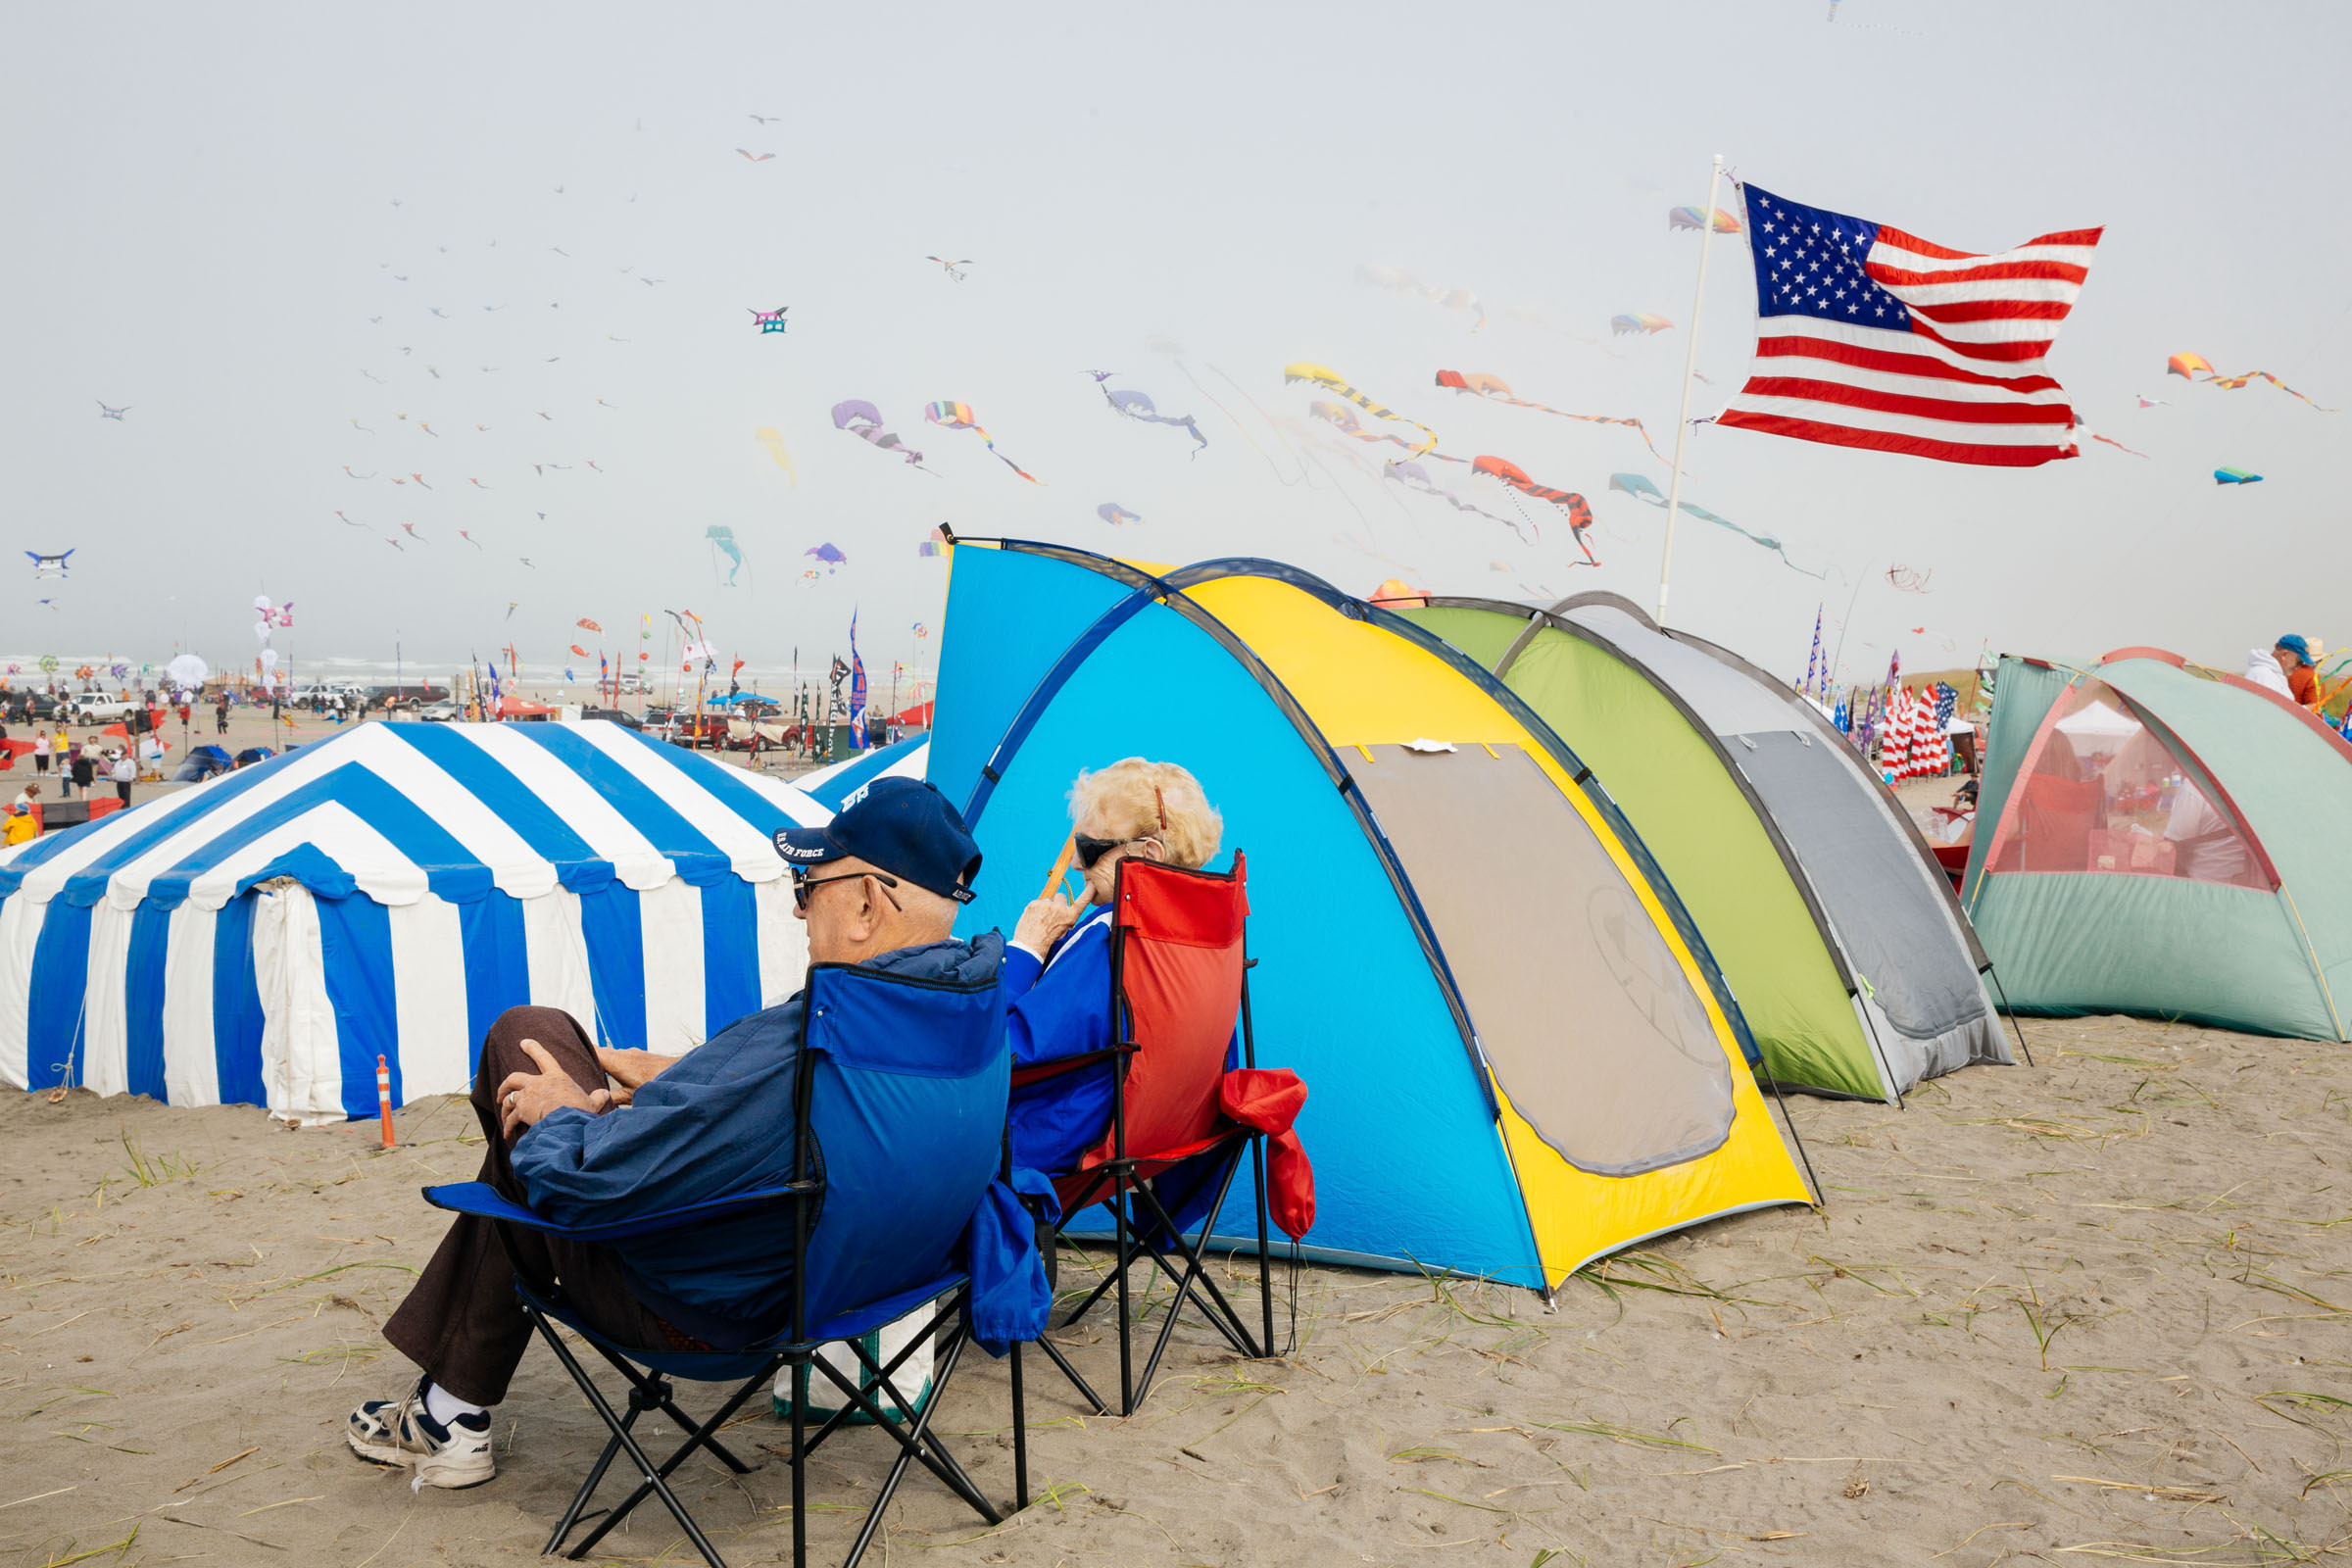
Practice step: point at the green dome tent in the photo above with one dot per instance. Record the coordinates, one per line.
(2160, 839)
(1824, 909)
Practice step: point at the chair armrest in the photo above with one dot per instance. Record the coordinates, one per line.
(480, 1200)
(1056, 1066)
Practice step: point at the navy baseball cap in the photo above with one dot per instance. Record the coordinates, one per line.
(901, 825)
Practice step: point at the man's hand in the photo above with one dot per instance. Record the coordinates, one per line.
(632, 1070)
(526, 1098)
(1044, 922)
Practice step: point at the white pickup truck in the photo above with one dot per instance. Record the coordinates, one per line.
(99, 707)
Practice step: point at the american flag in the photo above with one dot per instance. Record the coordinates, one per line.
(1867, 336)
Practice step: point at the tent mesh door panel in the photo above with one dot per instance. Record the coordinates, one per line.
(1585, 1014)
(2103, 793)
(1895, 926)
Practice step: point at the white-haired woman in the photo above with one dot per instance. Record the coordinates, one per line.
(1057, 974)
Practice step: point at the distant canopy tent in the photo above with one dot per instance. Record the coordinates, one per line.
(2160, 839)
(260, 938)
(831, 787)
(1517, 1058)
(1828, 913)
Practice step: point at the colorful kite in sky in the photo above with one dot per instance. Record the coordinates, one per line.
(830, 555)
(1342, 415)
(771, 321)
(722, 540)
(1496, 389)
(952, 267)
(863, 420)
(2236, 476)
(2186, 367)
(1325, 375)
(1693, 217)
(105, 412)
(1397, 594)
(1138, 405)
(960, 417)
(1414, 477)
(1623, 325)
(768, 436)
(1642, 490)
(585, 624)
(1116, 516)
(934, 544)
(1579, 512)
(47, 566)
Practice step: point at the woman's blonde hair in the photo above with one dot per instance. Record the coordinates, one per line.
(1138, 799)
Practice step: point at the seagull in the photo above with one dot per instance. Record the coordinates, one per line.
(766, 120)
(560, 250)
(376, 320)
(105, 412)
(757, 157)
(399, 278)
(649, 282)
(396, 200)
(951, 265)
(559, 190)
(526, 560)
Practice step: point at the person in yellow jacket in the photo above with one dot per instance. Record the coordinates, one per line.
(20, 826)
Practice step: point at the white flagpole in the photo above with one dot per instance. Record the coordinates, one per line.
(1681, 424)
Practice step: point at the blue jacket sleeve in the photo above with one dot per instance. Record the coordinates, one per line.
(1065, 1011)
(1019, 972)
(706, 1127)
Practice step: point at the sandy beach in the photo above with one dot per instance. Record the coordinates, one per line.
(2085, 1310)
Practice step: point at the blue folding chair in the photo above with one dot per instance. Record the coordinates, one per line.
(898, 1125)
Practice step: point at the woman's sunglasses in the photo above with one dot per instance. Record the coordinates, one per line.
(1091, 850)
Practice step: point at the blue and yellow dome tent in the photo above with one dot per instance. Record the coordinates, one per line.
(1518, 1060)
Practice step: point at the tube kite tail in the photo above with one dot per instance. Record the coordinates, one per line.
(2111, 441)
(1325, 376)
(1641, 489)
(1414, 477)
(2235, 382)
(1580, 513)
(768, 436)
(1495, 389)
(1138, 406)
(863, 420)
(958, 416)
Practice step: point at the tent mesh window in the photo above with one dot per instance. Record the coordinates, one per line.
(1587, 1019)
(2105, 792)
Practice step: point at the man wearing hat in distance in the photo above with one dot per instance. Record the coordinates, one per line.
(2295, 662)
(590, 1136)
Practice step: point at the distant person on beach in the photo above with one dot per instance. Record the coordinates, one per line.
(21, 825)
(30, 794)
(2296, 663)
(220, 717)
(86, 766)
(125, 774)
(1057, 966)
(586, 1134)
(42, 747)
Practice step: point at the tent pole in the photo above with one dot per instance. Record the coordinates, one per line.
(1681, 422)
(1995, 975)
(1789, 1122)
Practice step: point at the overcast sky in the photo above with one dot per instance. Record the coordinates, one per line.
(241, 221)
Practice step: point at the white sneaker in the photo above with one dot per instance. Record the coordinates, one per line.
(403, 1433)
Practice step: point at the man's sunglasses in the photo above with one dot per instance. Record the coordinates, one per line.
(803, 884)
(1091, 850)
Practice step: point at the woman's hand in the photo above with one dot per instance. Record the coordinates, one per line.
(1044, 922)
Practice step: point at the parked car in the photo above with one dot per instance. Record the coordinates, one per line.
(400, 699)
(39, 706)
(99, 707)
(617, 715)
(440, 714)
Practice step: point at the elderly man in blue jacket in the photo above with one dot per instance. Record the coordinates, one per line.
(588, 1136)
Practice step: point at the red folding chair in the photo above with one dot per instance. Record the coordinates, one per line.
(1179, 980)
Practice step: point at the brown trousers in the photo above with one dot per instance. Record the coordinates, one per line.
(461, 1322)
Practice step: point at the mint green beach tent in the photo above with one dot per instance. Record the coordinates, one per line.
(2156, 838)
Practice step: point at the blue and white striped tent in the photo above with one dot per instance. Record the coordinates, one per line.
(261, 937)
(832, 786)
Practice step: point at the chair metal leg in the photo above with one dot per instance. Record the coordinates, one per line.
(1021, 1437)
(1265, 1273)
(697, 1435)
(1237, 1335)
(1126, 1370)
(934, 1455)
(912, 1446)
(620, 1432)
(800, 1460)
(1053, 1352)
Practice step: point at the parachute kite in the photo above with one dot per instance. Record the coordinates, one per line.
(2186, 367)
(1642, 490)
(771, 321)
(1693, 218)
(830, 555)
(1580, 513)
(47, 566)
(863, 420)
(768, 436)
(1112, 513)
(1138, 405)
(1496, 389)
(1324, 375)
(2236, 476)
(722, 540)
(960, 417)
(1398, 281)
(1414, 477)
(935, 544)
(1622, 326)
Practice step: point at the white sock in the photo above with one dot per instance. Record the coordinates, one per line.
(444, 1406)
